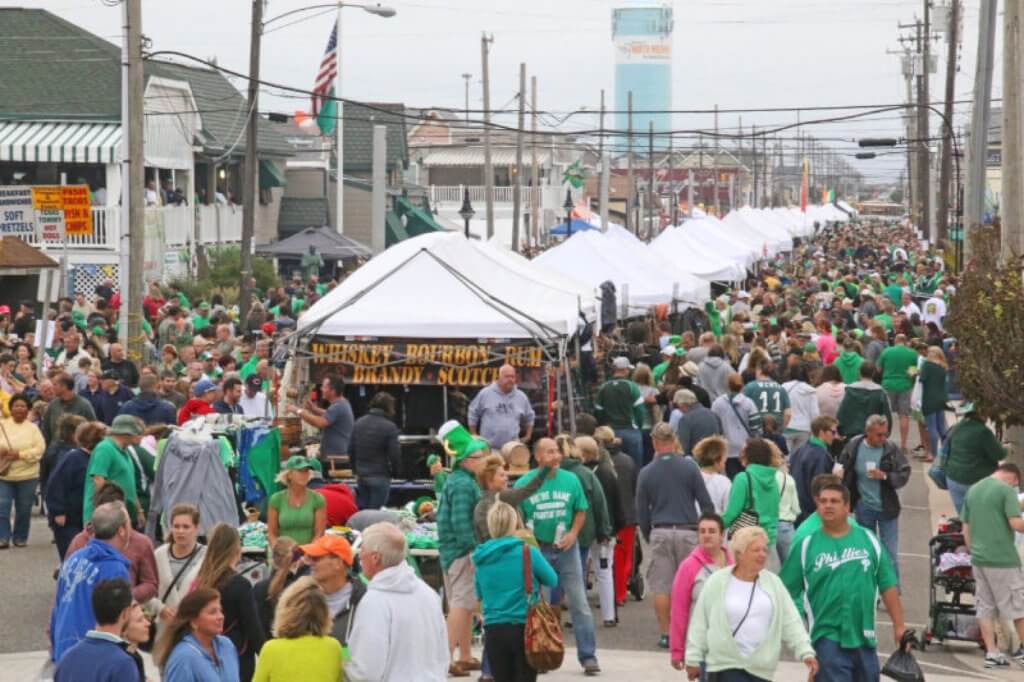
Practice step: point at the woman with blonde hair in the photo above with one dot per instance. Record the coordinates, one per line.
(932, 375)
(268, 591)
(302, 632)
(492, 477)
(297, 511)
(502, 584)
(241, 622)
(742, 618)
(177, 563)
(604, 472)
(710, 454)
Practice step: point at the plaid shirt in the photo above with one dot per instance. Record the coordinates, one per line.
(456, 503)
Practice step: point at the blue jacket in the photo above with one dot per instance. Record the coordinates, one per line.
(189, 662)
(97, 658)
(66, 487)
(498, 568)
(72, 608)
(108, 405)
(808, 461)
(151, 408)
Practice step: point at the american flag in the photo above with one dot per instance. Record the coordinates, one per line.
(328, 70)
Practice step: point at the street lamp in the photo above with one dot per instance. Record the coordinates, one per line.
(466, 211)
(568, 206)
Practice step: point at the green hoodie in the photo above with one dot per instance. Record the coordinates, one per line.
(765, 498)
(597, 523)
(861, 400)
(849, 363)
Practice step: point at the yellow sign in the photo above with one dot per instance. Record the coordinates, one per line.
(77, 211)
(48, 198)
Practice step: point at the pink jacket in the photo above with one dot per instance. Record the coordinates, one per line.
(697, 566)
(826, 344)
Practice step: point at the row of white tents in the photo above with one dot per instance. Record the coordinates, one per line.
(444, 286)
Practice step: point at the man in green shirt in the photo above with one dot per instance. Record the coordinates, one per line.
(769, 397)
(972, 452)
(620, 405)
(838, 572)
(111, 461)
(895, 362)
(201, 319)
(670, 358)
(555, 514)
(991, 513)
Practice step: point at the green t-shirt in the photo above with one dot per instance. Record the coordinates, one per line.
(894, 363)
(659, 371)
(296, 523)
(114, 465)
(555, 503)
(842, 578)
(199, 323)
(884, 320)
(769, 397)
(811, 524)
(895, 293)
(248, 368)
(988, 506)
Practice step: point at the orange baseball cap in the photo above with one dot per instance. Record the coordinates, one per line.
(329, 544)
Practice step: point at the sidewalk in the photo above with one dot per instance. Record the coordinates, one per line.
(615, 665)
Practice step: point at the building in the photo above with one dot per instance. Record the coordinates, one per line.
(642, 35)
(61, 124)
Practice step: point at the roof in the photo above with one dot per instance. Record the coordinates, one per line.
(324, 240)
(68, 142)
(57, 71)
(359, 120)
(17, 254)
(299, 213)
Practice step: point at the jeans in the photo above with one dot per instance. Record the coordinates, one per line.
(372, 493)
(936, 423)
(632, 444)
(507, 653)
(783, 539)
(957, 491)
(887, 530)
(570, 578)
(62, 536)
(836, 664)
(21, 494)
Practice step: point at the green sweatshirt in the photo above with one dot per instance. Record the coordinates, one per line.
(709, 636)
(764, 498)
(861, 400)
(973, 452)
(848, 364)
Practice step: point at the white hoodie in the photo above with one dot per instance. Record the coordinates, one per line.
(803, 400)
(398, 634)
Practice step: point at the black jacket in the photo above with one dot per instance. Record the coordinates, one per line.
(374, 447)
(340, 629)
(609, 485)
(625, 479)
(808, 461)
(151, 409)
(893, 463)
(242, 622)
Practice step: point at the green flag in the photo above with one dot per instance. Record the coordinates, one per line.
(328, 116)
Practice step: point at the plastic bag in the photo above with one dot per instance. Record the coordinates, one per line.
(902, 666)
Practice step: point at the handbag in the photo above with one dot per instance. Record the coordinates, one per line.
(749, 516)
(743, 422)
(147, 646)
(542, 633)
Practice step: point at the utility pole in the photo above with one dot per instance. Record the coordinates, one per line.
(753, 143)
(650, 184)
(764, 161)
(1013, 147)
(674, 206)
(517, 187)
(252, 164)
(946, 167)
(718, 203)
(605, 172)
(977, 156)
(534, 172)
(924, 101)
(132, 182)
(631, 179)
(466, 77)
(488, 167)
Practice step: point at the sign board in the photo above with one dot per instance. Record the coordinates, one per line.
(17, 212)
(77, 211)
(643, 50)
(425, 363)
(48, 198)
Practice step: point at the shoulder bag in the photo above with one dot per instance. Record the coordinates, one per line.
(148, 644)
(542, 634)
(743, 422)
(749, 516)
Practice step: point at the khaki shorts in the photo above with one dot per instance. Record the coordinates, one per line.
(899, 402)
(669, 547)
(458, 584)
(999, 592)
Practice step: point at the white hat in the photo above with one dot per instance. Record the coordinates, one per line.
(940, 292)
(621, 362)
(668, 350)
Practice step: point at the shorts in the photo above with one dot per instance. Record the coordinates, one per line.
(669, 547)
(899, 402)
(458, 584)
(999, 592)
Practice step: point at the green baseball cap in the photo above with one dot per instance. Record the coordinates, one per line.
(299, 463)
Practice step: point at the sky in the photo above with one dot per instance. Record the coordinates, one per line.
(738, 54)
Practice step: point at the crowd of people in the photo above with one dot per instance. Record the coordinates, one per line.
(757, 448)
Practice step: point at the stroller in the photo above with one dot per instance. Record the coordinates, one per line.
(949, 570)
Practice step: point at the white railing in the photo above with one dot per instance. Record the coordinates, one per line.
(219, 224)
(106, 223)
(177, 222)
(477, 194)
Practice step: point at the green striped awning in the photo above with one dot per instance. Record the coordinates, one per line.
(55, 142)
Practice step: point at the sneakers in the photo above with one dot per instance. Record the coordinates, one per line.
(996, 660)
(663, 642)
(1018, 655)
(591, 668)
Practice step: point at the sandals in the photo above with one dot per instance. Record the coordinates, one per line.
(463, 668)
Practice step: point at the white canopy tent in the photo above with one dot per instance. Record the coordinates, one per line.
(749, 224)
(717, 238)
(695, 255)
(692, 288)
(441, 286)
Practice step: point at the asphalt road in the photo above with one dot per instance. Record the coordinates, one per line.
(26, 591)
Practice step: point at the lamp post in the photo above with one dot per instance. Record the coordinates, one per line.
(568, 206)
(466, 211)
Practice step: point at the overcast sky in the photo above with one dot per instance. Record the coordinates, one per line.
(738, 54)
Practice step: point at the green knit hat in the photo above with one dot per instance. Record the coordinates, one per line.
(459, 442)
